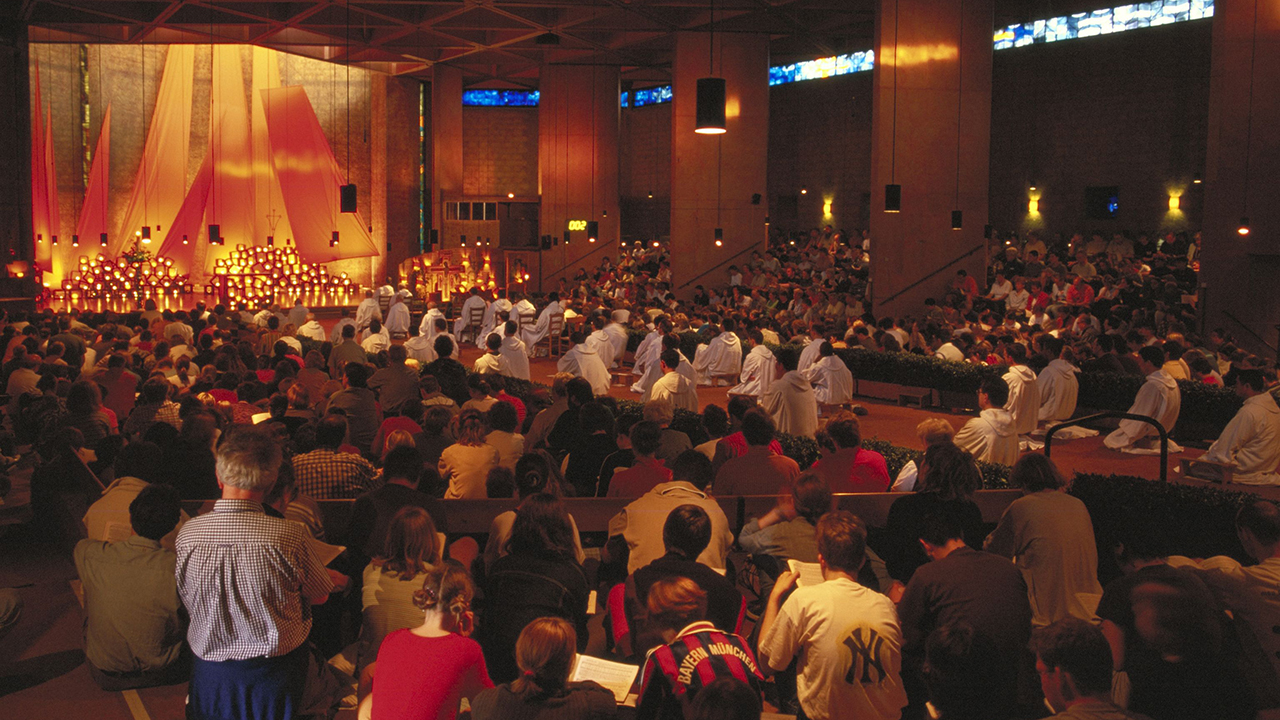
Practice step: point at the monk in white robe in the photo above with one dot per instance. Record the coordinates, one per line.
(832, 382)
(617, 331)
(1159, 397)
(311, 329)
(583, 361)
(419, 348)
(721, 356)
(654, 371)
(809, 355)
(514, 351)
(1024, 393)
(673, 386)
(1251, 441)
(474, 301)
(522, 308)
(398, 319)
(600, 341)
(644, 351)
(1059, 387)
(427, 328)
(790, 400)
(492, 361)
(759, 369)
(335, 335)
(533, 335)
(495, 314)
(376, 339)
(991, 436)
(367, 310)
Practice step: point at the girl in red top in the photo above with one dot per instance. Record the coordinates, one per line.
(423, 673)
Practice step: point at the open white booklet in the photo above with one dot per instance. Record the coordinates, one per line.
(810, 573)
(615, 676)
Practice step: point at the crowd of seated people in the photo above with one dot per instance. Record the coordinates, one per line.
(936, 609)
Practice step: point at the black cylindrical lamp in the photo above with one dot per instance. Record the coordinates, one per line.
(711, 94)
(957, 219)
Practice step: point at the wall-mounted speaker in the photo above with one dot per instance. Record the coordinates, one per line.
(347, 198)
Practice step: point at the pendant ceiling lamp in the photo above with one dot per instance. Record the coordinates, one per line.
(347, 199)
(711, 90)
(893, 191)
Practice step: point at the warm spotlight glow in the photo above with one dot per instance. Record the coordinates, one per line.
(510, 195)
(1033, 206)
(1197, 179)
(719, 243)
(656, 244)
(1174, 202)
(710, 131)
(1244, 227)
(804, 191)
(826, 207)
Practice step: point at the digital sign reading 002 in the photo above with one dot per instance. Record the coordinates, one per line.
(577, 225)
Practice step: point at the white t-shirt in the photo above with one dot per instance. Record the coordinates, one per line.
(850, 647)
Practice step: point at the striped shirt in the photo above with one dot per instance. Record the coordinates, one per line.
(700, 654)
(245, 579)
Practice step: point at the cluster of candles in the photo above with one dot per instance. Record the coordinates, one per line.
(258, 273)
(101, 277)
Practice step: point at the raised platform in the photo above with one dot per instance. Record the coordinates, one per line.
(324, 305)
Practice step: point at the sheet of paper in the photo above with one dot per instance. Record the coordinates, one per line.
(810, 573)
(617, 677)
(325, 551)
(591, 603)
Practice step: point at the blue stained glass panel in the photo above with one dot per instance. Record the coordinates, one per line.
(500, 98)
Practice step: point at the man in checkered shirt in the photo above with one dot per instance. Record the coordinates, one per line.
(328, 474)
(248, 581)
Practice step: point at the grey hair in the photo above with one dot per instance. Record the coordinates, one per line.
(248, 459)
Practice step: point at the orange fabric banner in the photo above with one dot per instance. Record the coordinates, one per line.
(309, 180)
(39, 180)
(93, 214)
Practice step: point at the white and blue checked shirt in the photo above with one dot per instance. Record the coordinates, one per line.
(244, 578)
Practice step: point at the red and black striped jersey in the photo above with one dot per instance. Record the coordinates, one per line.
(674, 673)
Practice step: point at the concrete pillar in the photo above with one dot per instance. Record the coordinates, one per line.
(931, 95)
(1238, 273)
(446, 142)
(713, 177)
(15, 138)
(578, 116)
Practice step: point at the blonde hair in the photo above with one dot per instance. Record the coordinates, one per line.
(411, 546)
(398, 438)
(470, 428)
(447, 588)
(660, 411)
(934, 431)
(675, 602)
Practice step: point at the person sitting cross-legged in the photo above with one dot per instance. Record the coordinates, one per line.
(134, 623)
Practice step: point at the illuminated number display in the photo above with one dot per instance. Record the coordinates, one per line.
(576, 225)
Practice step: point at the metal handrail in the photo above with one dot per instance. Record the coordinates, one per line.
(1164, 434)
(913, 285)
(721, 264)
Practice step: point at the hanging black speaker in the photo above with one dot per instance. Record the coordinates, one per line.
(957, 219)
(347, 197)
(892, 198)
(333, 240)
(546, 242)
(566, 237)
(593, 230)
(102, 238)
(433, 239)
(215, 235)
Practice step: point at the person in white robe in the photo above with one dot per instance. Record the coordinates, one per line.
(759, 369)
(419, 348)
(672, 386)
(474, 301)
(522, 308)
(367, 311)
(721, 356)
(539, 331)
(1059, 389)
(653, 370)
(617, 331)
(493, 361)
(809, 355)
(1250, 443)
(790, 400)
(335, 335)
(991, 436)
(832, 382)
(376, 338)
(311, 329)
(398, 319)
(514, 351)
(651, 359)
(1159, 397)
(495, 315)
(582, 361)
(427, 328)
(1024, 392)
(644, 351)
(601, 342)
